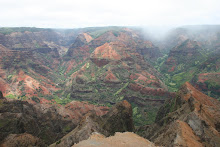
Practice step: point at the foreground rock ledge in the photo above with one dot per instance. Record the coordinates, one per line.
(118, 119)
(126, 139)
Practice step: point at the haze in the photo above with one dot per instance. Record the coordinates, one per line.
(89, 13)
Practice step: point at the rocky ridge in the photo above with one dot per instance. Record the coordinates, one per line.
(191, 119)
(51, 121)
(119, 118)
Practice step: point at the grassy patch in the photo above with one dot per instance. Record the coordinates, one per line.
(119, 91)
(11, 96)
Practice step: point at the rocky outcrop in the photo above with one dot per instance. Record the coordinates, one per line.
(148, 50)
(51, 121)
(111, 78)
(108, 52)
(105, 51)
(118, 119)
(209, 83)
(22, 140)
(126, 139)
(77, 110)
(82, 132)
(79, 48)
(207, 79)
(103, 38)
(183, 56)
(24, 74)
(37, 53)
(20, 117)
(29, 38)
(121, 115)
(81, 40)
(191, 119)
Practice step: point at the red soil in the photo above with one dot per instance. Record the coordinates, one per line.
(110, 77)
(199, 96)
(107, 52)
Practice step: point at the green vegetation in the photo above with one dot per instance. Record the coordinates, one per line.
(160, 61)
(213, 87)
(11, 96)
(181, 78)
(58, 142)
(35, 99)
(66, 129)
(61, 101)
(99, 31)
(62, 70)
(119, 91)
(9, 78)
(9, 30)
(144, 116)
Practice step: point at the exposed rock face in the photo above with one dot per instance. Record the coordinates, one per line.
(119, 118)
(29, 39)
(121, 115)
(22, 140)
(191, 119)
(75, 48)
(102, 39)
(148, 50)
(27, 72)
(208, 78)
(111, 78)
(19, 117)
(195, 60)
(50, 121)
(77, 110)
(107, 42)
(39, 40)
(126, 139)
(185, 54)
(78, 52)
(82, 132)
(209, 83)
(108, 52)
(36, 52)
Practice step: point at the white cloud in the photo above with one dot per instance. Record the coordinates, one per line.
(86, 13)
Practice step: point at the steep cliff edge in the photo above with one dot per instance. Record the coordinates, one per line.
(51, 121)
(191, 119)
(118, 119)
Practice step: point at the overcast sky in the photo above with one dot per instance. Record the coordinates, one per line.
(88, 13)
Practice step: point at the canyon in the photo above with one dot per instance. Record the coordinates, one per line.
(80, 86)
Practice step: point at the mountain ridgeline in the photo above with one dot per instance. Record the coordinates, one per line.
(76, 83)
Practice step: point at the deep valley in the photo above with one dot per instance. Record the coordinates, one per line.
(59, 87)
